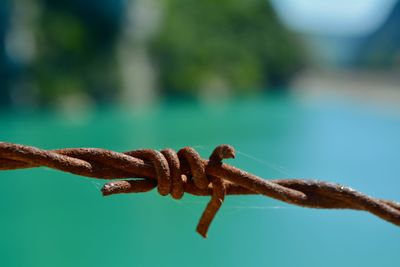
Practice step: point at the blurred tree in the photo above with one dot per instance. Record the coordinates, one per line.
(234, 44)
(75, 48)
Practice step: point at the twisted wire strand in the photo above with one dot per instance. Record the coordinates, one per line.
(175, 173)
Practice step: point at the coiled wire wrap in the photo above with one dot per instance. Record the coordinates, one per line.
(170, 179)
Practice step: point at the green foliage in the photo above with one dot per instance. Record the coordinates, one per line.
(234, 45)
(74, 52)
(240, 42)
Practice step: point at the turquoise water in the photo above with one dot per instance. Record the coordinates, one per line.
(50, 218)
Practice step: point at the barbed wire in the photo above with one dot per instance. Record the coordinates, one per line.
(185, 171)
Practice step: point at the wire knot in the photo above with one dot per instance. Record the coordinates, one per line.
(171, 179)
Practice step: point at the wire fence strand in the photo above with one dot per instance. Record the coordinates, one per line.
(176, 173)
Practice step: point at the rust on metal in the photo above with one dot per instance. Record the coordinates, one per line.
(175, 173)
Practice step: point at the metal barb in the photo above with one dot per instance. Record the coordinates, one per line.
(185, 171)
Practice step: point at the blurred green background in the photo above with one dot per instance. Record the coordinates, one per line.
(302, 90)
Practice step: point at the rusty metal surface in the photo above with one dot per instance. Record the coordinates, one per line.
(185, 171)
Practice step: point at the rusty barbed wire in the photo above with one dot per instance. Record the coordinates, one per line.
(185, 171)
